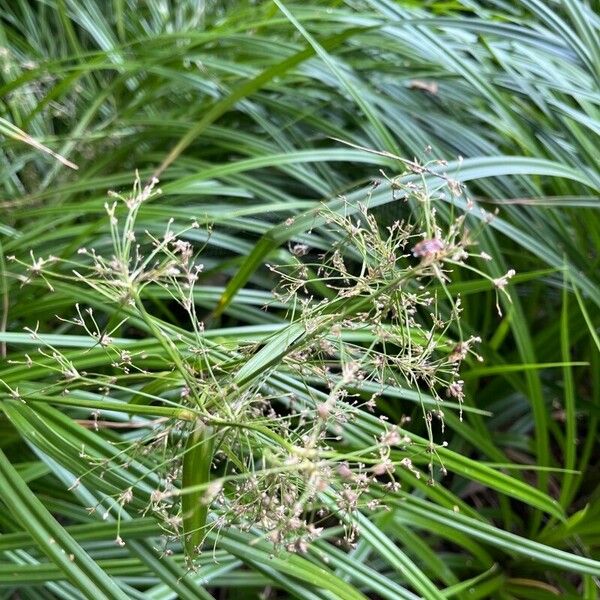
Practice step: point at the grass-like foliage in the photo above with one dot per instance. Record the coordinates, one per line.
(340, 338)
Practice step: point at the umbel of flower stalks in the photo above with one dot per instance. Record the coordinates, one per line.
(253, 431)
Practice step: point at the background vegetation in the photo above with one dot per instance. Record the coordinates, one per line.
(239, 107)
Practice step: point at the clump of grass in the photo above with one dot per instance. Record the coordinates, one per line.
(234, 451)
(246, 119)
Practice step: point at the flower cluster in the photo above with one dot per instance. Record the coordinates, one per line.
(371, 313)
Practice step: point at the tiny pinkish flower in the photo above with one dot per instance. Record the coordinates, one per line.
(126, 497)
(344, 471)
(391, 438)
(502, 282)
(385, 466)
(323, 410)
(455, 389)
(428, 248)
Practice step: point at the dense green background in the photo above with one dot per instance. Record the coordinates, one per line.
(239, 105)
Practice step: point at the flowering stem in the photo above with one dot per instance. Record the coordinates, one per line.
(167, 345)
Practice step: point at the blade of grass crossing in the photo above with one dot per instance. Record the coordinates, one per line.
(53, 539)
(570, 441)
